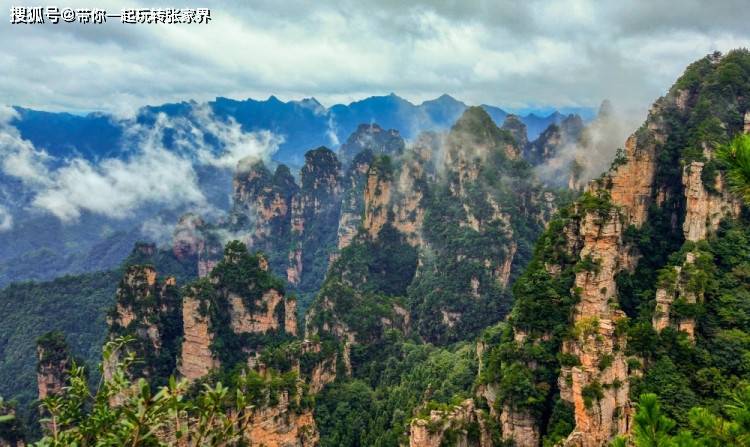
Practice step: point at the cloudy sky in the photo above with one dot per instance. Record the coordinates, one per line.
(513, 54)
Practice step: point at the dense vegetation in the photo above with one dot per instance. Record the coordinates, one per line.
(402, 321)
(208, 414)
(375, 407)
(706, 373)
(239, 272)
(76, 305)
(484, 210)
(473, 223)
(540, 316)
(653, 428)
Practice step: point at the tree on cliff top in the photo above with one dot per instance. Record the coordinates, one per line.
(736, 157)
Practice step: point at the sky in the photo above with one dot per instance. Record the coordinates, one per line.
(514, 54)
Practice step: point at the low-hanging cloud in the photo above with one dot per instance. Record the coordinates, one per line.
(152, 175)
(592, 153)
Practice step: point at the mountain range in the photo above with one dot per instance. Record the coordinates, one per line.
(303, 124)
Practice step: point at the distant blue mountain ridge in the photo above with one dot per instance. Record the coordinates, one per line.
(304, 124)
(40, 247)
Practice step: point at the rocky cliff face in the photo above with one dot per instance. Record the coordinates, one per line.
(197, 359)
(227, 320)
(295, 225)
(707, 202)
(552, 141)
(263, 209)
(517, 128)
(237, 301)
(392, 192)
(657, 184)
(148, 310)
(704, 209)
(188, 240)
(53, 364)
(315, 216)
(195, 242)
(462, 426)
(280, 426)
(352, 205)
(471, 221)
(377, 196)
(598, 386)
(372, 138)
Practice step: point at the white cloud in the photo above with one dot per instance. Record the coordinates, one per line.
(512, 54)
(157, 230)
(154, 174)
(18, 157)
(236, 143)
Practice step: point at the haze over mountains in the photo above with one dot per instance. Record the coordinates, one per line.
(302, 124)
(149, 169)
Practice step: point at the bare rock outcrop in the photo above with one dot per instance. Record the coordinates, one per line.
(281, 426)
(197, 358)
(144, 308)
(53, 364)
(451, 427)
(704, 209)
(377, 200)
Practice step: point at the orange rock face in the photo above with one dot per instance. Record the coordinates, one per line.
(279, 426)
(197, 359)
(50, 376)
(243, 321)
(596, 344)
(632, 183)
(704, 210)
(520, 427)
(432, 431)
(377, 201)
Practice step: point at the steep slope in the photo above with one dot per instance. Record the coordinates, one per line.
(444, 229)
(480, 220)
(554, 138)
(76, 305)
(579, 342)
(296, 226)
(373, 138)
(234, 326)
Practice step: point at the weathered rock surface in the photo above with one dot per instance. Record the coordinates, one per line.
(373, 138)
(703, 209)
(451, 427)
(53, 364)
(517, 128)
(197, 358)
(264, 316)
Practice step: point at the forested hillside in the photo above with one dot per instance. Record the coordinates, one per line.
(448, 295)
